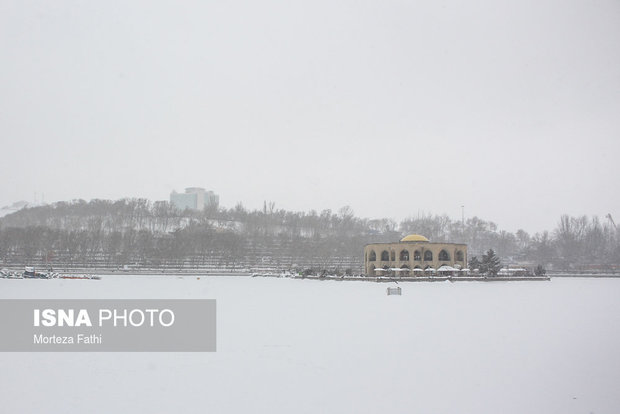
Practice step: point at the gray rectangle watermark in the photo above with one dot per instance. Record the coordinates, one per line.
(108, 325)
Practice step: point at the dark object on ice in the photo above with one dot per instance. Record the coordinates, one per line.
(396, 290)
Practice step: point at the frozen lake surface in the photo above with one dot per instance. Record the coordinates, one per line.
(307, 346)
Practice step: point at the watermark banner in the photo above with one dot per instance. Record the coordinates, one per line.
(108, 325)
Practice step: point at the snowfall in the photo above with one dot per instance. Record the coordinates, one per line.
(310, 346)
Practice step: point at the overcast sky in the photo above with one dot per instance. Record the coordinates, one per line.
(396, 108)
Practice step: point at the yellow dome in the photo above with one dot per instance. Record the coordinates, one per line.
(414, 238)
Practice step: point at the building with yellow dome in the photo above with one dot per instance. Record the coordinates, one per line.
(413, 255)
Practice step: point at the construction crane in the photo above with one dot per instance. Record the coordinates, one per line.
(612, 220)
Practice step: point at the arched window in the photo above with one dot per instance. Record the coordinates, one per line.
(443, 255)
(404, 255)
(428, 256)
(404, 267)
(416, 255)
(385, 256)
(373, 256)
(459, 256)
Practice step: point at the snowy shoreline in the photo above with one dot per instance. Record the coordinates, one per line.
(412, 279)
(285, 274)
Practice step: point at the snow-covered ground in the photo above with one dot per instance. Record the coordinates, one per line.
(306, 346)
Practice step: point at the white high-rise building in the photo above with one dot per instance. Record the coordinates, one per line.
(194, 198)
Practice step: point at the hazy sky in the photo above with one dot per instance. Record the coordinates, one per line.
(395, 108)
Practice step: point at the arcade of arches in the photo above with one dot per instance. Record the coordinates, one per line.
(413, 252)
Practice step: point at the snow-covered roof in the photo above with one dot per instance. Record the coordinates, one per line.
(512, 270)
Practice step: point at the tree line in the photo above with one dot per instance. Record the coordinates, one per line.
(156, 234)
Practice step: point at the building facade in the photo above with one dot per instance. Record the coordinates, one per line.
(194, 198)
(414, 254)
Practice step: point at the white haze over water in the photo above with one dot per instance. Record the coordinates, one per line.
(306, 346)
(393, 108)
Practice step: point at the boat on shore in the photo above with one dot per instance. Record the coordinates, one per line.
(82, 277)
(31, 273)
(7, 274)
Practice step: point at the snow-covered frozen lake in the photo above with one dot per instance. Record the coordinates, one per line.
(307, 346)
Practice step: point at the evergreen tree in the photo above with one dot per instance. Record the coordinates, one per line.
(474, 263)
(490, 263)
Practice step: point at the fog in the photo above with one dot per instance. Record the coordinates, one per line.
(394, 108)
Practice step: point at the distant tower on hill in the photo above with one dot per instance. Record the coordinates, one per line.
(194, 198)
